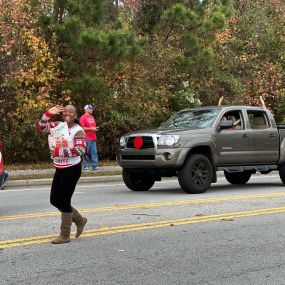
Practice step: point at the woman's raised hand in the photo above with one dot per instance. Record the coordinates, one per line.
(56, 110)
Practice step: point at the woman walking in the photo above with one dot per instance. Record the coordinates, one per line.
(67, 145)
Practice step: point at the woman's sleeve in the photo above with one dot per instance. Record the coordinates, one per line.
(44, 125)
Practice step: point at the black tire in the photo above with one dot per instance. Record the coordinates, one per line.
(196, 175)
(137, 181)
(282, 173)
(237, 177)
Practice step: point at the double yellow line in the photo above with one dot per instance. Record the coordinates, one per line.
(150, 205)
(145, 226)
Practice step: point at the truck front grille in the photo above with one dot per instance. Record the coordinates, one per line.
(147, 142)
(138, 157)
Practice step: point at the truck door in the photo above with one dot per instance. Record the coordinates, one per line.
(233, 145)
(264, 138)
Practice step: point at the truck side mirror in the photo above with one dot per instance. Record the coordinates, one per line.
(224, 125)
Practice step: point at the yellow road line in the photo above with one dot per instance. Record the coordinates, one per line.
(150, 205)
(145, 226)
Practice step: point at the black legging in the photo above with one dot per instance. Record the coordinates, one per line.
(63, 186)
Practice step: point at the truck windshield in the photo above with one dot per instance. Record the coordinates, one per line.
(196, 119)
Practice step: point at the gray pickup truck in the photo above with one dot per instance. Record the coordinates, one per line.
(196, 143)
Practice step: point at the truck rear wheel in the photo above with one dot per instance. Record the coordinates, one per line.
(237, 177)
(196, 175)
(137, 181)
(282, 173)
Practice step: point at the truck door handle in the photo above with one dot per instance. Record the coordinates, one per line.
(245, 136)
(272, 135)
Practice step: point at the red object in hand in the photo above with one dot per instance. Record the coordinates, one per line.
(138, 142)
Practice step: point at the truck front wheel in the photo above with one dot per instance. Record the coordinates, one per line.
(237, 177)
(137, 181)
(282, 173)
(196, 175)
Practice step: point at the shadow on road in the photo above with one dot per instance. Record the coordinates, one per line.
(214, 188)
(249, 186)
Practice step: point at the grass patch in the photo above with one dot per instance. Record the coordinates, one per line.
(47, 165)
(84, 174)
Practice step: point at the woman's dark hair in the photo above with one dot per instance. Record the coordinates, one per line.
(75, 109)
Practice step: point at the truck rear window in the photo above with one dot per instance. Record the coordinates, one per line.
(258, 120)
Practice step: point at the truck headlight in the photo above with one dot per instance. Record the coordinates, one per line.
(168, 140)
(123, 141)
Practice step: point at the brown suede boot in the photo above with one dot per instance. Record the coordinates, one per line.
(65, 228)
(79, 221)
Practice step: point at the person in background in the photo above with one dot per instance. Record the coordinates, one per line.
(66, 150)
(3, 174)
(4, 180)
(88, 124)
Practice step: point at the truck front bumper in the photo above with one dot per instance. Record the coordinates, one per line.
(166, 158)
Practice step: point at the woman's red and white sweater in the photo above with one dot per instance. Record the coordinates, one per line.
(65, 156)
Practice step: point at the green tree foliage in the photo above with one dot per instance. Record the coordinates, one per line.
(253, 55)
(188, 26)
(179, 42)
(136, 61)
(93, 47)
(28, 76)
(89, 46)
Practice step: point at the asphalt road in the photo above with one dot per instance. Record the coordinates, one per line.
(229, 235)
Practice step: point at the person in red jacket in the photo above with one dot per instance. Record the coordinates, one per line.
(88, 124)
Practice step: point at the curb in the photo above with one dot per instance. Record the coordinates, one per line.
(82, 180)
(48, 181)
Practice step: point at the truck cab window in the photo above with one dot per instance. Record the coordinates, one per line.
(258, 120)
(236, 118)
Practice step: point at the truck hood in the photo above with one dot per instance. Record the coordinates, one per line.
(168, 132)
